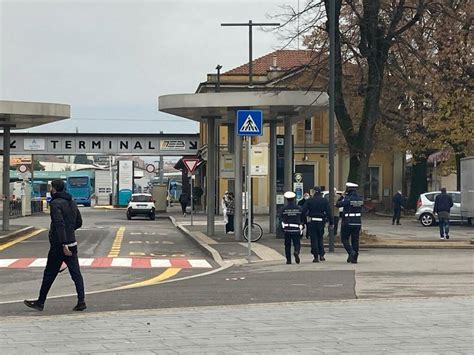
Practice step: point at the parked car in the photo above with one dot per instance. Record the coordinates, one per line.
(425, 204)
(141, 205)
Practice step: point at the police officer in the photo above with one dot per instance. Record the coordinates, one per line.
(290, 217)
(351, 221)
(317, 211)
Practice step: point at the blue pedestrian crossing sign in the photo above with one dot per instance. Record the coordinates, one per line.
(249, 123)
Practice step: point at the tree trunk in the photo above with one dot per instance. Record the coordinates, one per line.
(418, 183)
(458, 157)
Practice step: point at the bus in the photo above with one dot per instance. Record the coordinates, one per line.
(80, 188)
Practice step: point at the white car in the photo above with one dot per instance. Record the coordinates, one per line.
(141, 205)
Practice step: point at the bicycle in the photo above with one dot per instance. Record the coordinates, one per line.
(257, 231)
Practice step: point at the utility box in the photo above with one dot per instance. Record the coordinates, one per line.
(160, 195)
(467, 188)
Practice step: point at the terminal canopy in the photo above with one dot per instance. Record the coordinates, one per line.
(20, 115)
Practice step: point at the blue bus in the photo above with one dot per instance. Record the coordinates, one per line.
(80, 188)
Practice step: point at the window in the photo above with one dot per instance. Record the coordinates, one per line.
(141, 198)
(78, 181)
(456, 197)
(372, 183)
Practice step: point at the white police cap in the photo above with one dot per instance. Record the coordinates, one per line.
(351, 184)
(289, 194)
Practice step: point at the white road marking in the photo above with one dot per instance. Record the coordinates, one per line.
(136, 233)
(126, 262)
(7, 262)
(86, 261)
(160, 263)
(40, 262)
(199, 263)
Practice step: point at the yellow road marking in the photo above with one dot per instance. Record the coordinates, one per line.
(18, 240)
(133, 253)
(170, 272)
(117, 244)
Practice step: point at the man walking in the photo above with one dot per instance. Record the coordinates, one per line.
(351, 221)
(317, 211)
(65, 219)
(290, 217)
(397, 201)
(442, 207)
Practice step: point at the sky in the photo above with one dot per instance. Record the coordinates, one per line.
(111, 60)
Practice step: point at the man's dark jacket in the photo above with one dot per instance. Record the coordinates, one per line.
(65, 219)
(443, 203)
(397, 201)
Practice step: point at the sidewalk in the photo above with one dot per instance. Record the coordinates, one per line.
(377, 233)
(402, 326)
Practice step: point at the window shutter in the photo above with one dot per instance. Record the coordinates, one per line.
(318, 128)
(300, 133)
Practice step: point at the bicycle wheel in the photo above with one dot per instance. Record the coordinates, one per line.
(257, 232)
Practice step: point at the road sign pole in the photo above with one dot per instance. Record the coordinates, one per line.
(249, 197)
(192, 198)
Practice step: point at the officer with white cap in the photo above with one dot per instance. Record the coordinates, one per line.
(318, 212)
(351, 221)
(290, 217)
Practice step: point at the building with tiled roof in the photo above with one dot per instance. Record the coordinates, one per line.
(303, 70)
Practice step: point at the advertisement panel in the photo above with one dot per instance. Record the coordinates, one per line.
(125, 181)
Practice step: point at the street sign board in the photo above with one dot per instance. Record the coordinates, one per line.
(191, 164)
(249, 123)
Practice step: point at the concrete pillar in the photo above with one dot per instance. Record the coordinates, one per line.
(273, 175)
(6, 178)
(211, 175)
(288, 154)
(238, 187)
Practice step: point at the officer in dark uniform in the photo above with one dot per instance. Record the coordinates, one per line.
(290, 217)
(318, 212)
(351, 221)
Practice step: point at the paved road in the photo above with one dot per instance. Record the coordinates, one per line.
(407, 326)
(146, 250)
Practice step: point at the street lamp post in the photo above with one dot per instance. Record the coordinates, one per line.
(332, 72)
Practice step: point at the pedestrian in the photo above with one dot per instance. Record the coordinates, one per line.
(184, 201)
(228, 202)
(351, 223)
(397, 202)
(317, 212)
(65, 219)
(291, 223)
(442, 207)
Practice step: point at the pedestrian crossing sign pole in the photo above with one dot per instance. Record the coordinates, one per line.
(249, 123)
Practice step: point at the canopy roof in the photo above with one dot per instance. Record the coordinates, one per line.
(19, 114)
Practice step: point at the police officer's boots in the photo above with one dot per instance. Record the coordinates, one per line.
(354, 257)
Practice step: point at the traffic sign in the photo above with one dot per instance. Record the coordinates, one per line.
(150, 168)
(249, 123)
(22, 168)
(191, 164)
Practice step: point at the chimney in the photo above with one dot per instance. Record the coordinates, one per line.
(274, 60)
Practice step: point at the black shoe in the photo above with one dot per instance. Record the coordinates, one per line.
(399, 224)
(80, 306)
(354, 258)
(297, 257)
(34, 304)
(322, 258)
(288, 262)
(348, 258)
(316, 260)
(447, 236)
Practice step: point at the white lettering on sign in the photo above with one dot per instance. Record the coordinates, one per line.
(34, 144)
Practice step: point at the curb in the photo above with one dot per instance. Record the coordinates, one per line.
(401, 246)
(206, 248)
(18, 233)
